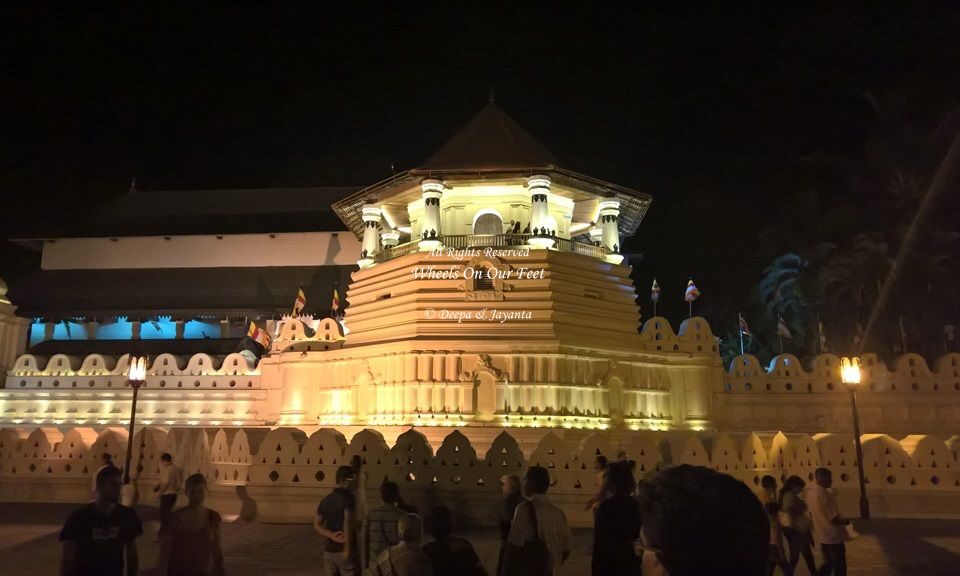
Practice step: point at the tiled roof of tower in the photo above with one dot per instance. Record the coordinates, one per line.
(490, 141)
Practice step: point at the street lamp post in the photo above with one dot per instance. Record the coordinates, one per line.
(136, 377)
(850, 375)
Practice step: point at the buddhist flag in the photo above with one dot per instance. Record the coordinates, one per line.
(259, 336)
(336, 301)
(692, 293)
(655, 291)
(743, 326)
(299, 303)
(782, 329)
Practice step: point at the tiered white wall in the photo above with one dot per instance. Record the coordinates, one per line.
(280, 474)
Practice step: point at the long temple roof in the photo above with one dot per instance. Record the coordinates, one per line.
(187, 212)
(179, 292)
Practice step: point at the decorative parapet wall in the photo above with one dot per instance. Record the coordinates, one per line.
(671, 381)
(909, 398)
(306, 334)
(280, 474)
(93, 391)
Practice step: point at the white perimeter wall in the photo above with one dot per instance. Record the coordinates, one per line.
(236, 250)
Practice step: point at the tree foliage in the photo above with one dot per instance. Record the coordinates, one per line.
(843, 237)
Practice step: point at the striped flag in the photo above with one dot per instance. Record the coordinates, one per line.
(655, 291)
(336, 301)
(259, 336)
(692, 293)
(743, 326)
(299, 303)
(782, 329)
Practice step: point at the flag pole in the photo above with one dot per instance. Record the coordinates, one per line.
(740, 329)
(779, 332)
(819, 333)
(691, 308)
(903, 335)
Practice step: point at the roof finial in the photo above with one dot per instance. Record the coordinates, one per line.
(493, 97)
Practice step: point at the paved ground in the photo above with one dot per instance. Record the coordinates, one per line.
(28, 546)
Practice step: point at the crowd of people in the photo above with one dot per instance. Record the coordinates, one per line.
(681, 521)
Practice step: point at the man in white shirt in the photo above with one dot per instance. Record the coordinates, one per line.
(829, 526)
(552, 527)
(168, 487)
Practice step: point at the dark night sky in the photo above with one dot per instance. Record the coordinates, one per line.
(709, 108)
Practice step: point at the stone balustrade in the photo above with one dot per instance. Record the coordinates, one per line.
(278, 475)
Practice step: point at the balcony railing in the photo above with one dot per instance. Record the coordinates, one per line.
(396, 252)
(463, 241)
(460, 241)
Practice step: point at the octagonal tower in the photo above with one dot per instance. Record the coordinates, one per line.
(491, 291)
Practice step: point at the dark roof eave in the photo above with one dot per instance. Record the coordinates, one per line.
(145, 314)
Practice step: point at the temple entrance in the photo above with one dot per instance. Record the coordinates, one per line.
(488, 224)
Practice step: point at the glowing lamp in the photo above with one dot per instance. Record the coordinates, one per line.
(850, 371)
(137, 371)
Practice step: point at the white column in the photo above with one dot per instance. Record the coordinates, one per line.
(609, 214)
(371, 235)
(389, 238)
(430, 233)
(539, 187)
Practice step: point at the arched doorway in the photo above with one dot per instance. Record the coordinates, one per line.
(488, 223)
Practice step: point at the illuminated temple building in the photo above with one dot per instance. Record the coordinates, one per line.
(484, 287)
(490, 322)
